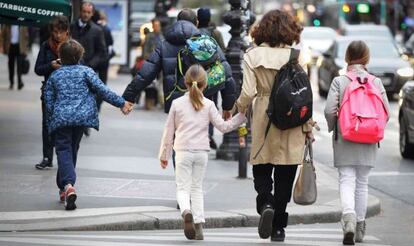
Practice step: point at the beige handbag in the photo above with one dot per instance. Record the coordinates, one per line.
(305, 192)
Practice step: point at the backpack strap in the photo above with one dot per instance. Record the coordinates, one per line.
(294, 55)
(180, 63)
(264, 140)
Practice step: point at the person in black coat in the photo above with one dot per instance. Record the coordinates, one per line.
(165, 58)
(47, 61)
(90, 36)
(109, 42)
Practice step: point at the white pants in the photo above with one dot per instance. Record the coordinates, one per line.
(353, 189)
(189, 176)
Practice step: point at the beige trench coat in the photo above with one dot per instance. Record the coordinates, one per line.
(282, 147)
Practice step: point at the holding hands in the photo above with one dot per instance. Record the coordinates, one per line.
(127, 108)
(56, 64)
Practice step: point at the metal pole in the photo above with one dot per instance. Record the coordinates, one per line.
(229, 149)
(383, 13)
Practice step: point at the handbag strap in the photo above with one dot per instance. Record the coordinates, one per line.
(308, 150)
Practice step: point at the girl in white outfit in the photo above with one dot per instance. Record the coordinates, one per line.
(353, 160)
(186, 131)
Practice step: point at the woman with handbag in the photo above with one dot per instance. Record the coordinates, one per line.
(282, 150)
(354, 160)
(15, 44)
(47, 61)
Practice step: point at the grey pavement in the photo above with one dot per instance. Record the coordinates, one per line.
(120, 183)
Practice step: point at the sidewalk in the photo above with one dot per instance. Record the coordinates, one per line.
(120, 183)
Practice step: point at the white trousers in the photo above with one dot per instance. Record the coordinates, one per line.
(189, 175)
(353, 189)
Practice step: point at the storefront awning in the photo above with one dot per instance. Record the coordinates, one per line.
(32, 12)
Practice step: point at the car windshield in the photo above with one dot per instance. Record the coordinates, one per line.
(317, 34)
(369, 32)
(377, 48)
(142, 6)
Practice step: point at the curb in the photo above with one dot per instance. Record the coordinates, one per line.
(168, 219)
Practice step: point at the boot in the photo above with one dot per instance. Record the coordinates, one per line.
(189, 230)
(265, 222)
(279, 223)
(360, 231)
(348, 227)
(199, 231)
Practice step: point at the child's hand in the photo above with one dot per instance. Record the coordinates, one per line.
(127, 108)
(55, 64)
(227, 115)
(164, 164)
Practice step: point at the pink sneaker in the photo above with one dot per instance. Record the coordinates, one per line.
(70, 198)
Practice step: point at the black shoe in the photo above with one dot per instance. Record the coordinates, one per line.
(278, 235)
(87, 132)
(20, 86)
(213, 144)
(265, 222)
(11, 87)
(44, 164)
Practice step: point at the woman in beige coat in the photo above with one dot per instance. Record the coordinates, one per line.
(283, 149)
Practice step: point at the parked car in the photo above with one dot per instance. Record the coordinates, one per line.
(142, 11)
(314, 41)
(385, 63)
(371, 30)
(406, 120)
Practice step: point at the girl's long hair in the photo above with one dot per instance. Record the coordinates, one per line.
(196, 81)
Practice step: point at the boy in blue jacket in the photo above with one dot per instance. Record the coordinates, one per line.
(70, 95)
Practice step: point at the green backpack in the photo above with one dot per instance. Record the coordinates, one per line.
(203, 50)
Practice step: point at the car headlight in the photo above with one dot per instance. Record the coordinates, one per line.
(406, 72)
(342, 71)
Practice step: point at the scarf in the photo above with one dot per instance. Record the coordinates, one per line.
(54, 45)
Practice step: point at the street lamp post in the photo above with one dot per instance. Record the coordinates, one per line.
(239, 19)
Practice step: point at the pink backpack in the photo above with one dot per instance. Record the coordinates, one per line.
(362, 115)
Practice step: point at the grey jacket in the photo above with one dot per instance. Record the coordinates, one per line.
(348, 153)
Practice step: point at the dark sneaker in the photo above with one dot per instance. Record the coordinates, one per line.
(70, 198)
(86, 132)
(44, 164)
(278, 235)
(213, 144)
(189, 228)
(266, 221)
(20, 86)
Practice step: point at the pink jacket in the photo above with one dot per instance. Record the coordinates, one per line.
(187, 129)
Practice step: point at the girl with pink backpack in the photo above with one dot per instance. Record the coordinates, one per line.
(357, 111)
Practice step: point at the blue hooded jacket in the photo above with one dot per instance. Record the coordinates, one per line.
(164, 59)
(70, 97)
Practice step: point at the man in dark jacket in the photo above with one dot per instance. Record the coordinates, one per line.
(109, 42)
(165, 58)
(90, 36)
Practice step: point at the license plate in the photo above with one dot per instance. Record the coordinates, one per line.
(386, 80)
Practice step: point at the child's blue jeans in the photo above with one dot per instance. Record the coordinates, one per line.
(67, 141)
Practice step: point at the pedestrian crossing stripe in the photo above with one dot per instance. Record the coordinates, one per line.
(294, 236)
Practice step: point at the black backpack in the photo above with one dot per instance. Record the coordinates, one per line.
(290, 102)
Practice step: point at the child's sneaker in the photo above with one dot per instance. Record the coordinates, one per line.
(70, 198)
(189, 229)
(61, 196)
